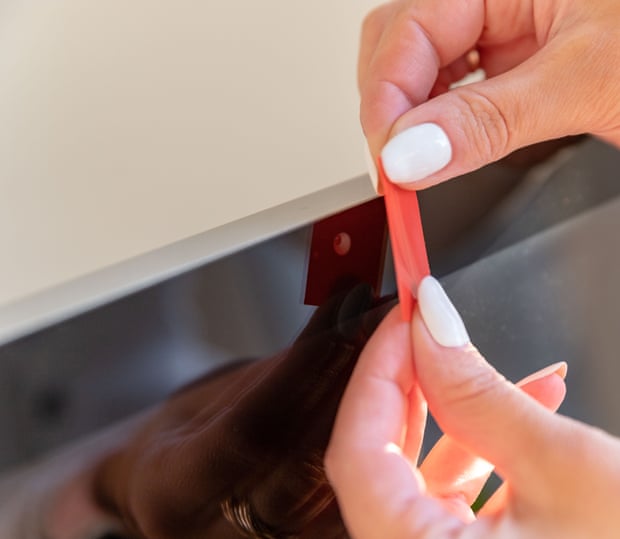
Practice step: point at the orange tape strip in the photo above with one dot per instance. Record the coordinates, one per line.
(407, 237)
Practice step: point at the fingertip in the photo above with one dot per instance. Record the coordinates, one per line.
(562, 370)
(416, 153)
(440, 317)
(440, 369)
(550, 390)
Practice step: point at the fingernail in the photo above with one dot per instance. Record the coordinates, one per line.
(441, 317)
(372, 168)
(416, 153)
(560, 369)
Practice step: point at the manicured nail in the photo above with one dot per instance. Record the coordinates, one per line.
(560, 369)
(372, 168)
(416, 153)
(441, 317)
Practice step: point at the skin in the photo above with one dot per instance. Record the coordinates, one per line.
(551, 70)
(562, 478)
(257, 431)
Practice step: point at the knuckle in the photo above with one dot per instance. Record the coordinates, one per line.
(479, 386)
(486, 127)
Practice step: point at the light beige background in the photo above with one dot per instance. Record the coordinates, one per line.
(128, 128)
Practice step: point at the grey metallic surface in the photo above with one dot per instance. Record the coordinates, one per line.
(553, 297)
(543, 287)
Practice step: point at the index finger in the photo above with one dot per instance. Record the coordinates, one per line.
(380, 412)
(420, 38)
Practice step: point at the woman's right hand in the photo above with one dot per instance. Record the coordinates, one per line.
(562, 478)
(552, 68)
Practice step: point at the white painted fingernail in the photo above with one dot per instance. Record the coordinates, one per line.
(441, 317)
(416, 153)
(372, 168)
(560, 369)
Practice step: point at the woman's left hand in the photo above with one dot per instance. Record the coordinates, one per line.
(562, 477)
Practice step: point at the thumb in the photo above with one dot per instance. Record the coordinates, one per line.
(477, 124)
(470, 400)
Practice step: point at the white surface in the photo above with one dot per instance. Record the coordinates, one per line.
(128, 127)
